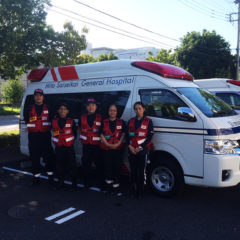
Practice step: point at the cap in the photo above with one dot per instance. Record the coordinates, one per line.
(91, 100)
(40, 91)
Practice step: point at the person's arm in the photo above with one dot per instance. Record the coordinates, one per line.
(131, 148)
(26, 114)
(74, 129)
(149, 135)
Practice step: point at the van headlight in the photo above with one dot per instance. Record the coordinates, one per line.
(220, 146)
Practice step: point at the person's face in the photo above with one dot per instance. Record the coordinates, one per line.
(38, 98)
(139, 110)
(91, 108)
(112, 112)
(63, 112)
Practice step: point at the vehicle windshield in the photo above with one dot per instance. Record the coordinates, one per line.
(208, 103)
(233, 99)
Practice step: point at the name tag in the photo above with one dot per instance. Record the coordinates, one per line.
(98, 123)
(45, 111)
(33, 119)
(119, 127)
(44, 118)
(107, 137)
(56, 133)
(144, 127)
(140, 134)
(68, 125)
(67, 132)
(131, 134)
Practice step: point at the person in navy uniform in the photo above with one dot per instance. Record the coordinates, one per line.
(112, 135)
(64, 131)
(89, 125)
(38, 119)
(138, 137)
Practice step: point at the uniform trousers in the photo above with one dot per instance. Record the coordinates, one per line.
(137, 165)
(66, 162)
(39, 144)
(112, 164)
(92, 153)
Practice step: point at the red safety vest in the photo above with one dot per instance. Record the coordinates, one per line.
(139, 136)
(90, 135)
(39, 123)
(112, 137)
(65, 136)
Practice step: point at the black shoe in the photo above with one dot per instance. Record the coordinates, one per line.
(35, 181)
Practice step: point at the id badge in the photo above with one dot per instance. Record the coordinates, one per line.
(33, 119)
(56, 133)
(107, 137)
(131, 134)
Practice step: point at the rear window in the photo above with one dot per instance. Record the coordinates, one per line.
(76, 101)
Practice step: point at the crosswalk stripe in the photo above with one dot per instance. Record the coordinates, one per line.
(59, 214)
(73, 215)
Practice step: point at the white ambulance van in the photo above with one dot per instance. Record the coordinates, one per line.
(226, 89)
(196, 135)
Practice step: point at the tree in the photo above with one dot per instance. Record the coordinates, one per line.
(63, 48)
(205, 55)
(12, 91)
(22, 34)
(106, 57)
(163, 56)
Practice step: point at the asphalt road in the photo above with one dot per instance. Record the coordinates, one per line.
(199, 213)
(9, 122)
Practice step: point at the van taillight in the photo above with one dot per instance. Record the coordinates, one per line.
(235, 82)
(164, 70)
(37, 74)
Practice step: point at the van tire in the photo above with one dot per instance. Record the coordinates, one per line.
(165, 177)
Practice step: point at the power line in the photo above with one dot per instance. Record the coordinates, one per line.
(200, 11)
(122, 34)
(121, 20)
(113, 27)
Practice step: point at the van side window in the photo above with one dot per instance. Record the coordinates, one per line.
(76, 101)
(161, 103)
(232, 99)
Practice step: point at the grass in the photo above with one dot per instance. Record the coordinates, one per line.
(6, 110)
(9, 138)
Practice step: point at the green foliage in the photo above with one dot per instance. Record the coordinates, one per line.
(106, 57)
(84, 58)
(163, 56)
(22, 35)
(9, 138)
(12, 91)
(205, 55)
(4, 110)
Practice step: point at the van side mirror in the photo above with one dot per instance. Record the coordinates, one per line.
(186, 114)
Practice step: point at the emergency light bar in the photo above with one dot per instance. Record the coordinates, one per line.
(235, 82)
(37, 74)
(164, 70)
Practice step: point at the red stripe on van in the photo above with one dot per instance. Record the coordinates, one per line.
(54, 75)
(68, 73)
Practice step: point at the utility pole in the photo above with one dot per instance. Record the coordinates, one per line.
(238, 32)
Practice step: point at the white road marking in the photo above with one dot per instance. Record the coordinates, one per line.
(59, 214)
(44, 177)
(67, 218)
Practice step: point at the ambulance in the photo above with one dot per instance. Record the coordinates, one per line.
(226, 89)
(196, 134)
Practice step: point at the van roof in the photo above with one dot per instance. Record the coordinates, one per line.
(112, 68)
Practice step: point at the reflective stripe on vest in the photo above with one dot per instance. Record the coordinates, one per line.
(64, 136)
(90, 135)
(39, 123)
(138, 136)
(112, 137)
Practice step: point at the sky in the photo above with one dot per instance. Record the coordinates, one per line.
(167, 21)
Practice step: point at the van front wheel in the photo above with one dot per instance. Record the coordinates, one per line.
(165, 178)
